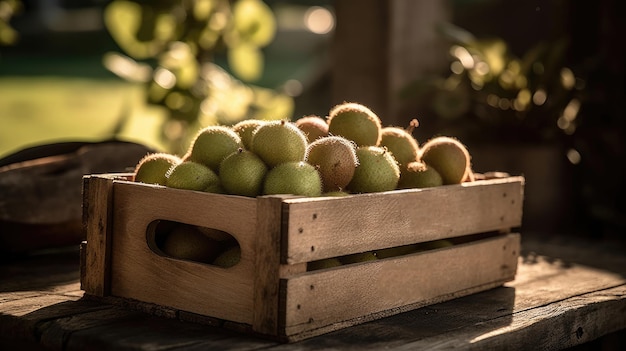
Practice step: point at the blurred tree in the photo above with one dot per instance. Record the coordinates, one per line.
(8, 8)
(491, 94)
(171, 47)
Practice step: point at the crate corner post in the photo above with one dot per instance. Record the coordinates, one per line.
(267, 262)
(97, 207)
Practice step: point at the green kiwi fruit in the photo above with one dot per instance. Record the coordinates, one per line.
(358, 257)
(229, 257)
(242, 173)
(377, 171)
(216, 234)
(314, 127)
(188, 243)
(212, 144)
(396, 251)
(448, 156)
(323, 264)
(279, 142)
(151, 169)
(418, 175)
(435, 244)
(400, 143)
(335, 159)
(245, 129)
(355, 122)
(297, 178)
(339, 193)
(193, 176)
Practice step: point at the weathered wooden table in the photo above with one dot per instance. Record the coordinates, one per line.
(565, 294)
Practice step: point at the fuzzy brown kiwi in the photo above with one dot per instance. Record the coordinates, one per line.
(418, 175)
(296, 178)
(377, 171)
(313, 126)
(191, 175)
(245, 129)
(400, 143)
(355, 122)
(448, 156)
(151, 169)
(335, 159)
(212, 144)
(279, 142)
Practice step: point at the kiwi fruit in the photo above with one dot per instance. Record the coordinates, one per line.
(212, 144)
(279, 142)
(242, 173)
(396, 251)
(216, 234)
(188, 243)
(335, 159)
(323, 264)
(400, 143)
(338, 193)
(229, 257)
(448, 156)
(245, 129)
(297, 178)
(355, 122)
(193, 176)
(313, 126)
(418, 175)
(377, 171)
(151, 169)
(435, 244)
(358, 257)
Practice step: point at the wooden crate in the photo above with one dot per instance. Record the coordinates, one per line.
(270, 292)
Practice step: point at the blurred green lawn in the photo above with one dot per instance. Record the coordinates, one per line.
(48, 109)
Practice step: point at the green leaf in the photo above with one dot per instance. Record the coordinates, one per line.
(254, 21)
(123, 19)
(246, 61)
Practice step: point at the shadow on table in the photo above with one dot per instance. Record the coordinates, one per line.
(44, 271)
(471, 318)
(568, 251)
(87, 324)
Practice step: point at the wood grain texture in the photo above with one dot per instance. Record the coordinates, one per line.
(320, 299)
(574, 295)
(327, 227)
(141, 274)
(267, 265)
(97, 206)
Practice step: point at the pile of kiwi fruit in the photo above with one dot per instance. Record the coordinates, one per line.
(347, 152)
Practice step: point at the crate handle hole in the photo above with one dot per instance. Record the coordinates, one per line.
(193, 243)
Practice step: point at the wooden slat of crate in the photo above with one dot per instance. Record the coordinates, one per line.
(138, 273)
(97, 205)
(319, 302)
(319, 228)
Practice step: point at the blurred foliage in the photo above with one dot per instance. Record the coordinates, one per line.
(8, 9)
(171, 47)
(492, 95)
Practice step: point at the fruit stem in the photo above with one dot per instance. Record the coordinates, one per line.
(412, 125)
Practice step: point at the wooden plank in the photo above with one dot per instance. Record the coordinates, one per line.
(54, 334)
(267, 265)
(141, 274)
(20, 318)
(551, 297)
(558, 325)
(141, 332)
(319, 228)
(97, 204)
(319, 299)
